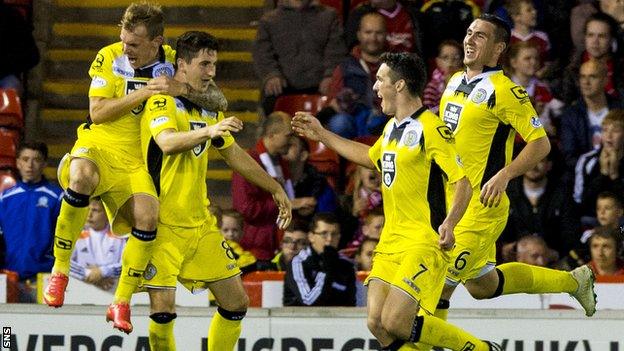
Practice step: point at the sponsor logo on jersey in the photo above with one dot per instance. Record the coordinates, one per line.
(198, 149)
(98, 82)
(479, 96)
(388, 168)
(98, 62)
(451, 115)
(521, 94)
(163, 69)
(150, 272)
(158, 104)
(535, 122)
(42, 202)
(411, 138)
(446, 134)
(158, 121)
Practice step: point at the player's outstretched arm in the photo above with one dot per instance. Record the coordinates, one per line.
(306, 125)
(241, 162)
(534, 151)
(171, 141)
(461, 199)
(103, 109)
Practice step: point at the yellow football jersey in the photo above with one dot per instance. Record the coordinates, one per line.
(416, 159)
(180, 179)
(112, 76)
(484, 114)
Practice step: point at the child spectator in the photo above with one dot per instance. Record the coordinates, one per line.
(97, 257)
(609, 213)
(370, 229)
(524, 17)
(294, 240)
(605, 248)
(523, 65)
(232, 230)
(448, 61)
(364, 255)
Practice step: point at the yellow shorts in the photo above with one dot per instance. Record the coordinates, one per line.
(474, 253)
(418, 272)
(120, 179)
(192, 256)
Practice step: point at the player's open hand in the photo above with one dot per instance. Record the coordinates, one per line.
(447, 237)
(307, 126)
(230, 124)
(166, 85)
(492, 192)
(285, 208)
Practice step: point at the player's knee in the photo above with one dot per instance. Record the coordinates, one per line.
(374, 325)
(146, 217)
(232, 315)
(393, 322)
(163, 317)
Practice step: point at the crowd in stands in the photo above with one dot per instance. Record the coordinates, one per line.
(567, 211)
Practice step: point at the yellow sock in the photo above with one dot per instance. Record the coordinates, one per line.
(524, 278)
(71, 220)
(411, 346)
(441, 312)
(134, 259)
(437, 332)
(223, 332)
(161, 336)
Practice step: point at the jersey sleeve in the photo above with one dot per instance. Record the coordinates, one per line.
(160, 114)
(226, 140)
(102, 77)
(515, 108)
(440, 147)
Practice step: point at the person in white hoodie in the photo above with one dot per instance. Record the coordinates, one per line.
(97, 257)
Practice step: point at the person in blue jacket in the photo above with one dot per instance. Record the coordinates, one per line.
(28, 214)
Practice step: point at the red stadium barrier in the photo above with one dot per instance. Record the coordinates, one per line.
(303, 102)
(11, 114)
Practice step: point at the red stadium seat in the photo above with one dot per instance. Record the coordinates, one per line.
(325, 160)
(304, 102)
(8, 147)
(11, 114)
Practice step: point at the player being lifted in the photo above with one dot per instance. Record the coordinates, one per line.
(417, 160)
(106, 159)
(484, 109)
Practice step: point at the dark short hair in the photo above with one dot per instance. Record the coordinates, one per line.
(502, 31)
(608, 233)
(450, 42)
(366, 240)
(409, 67)
(604, 18)
(34, 145)
(612, 196)
(298, 225)
(191, 43)
(326, 217)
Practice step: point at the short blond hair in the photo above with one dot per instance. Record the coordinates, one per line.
(144, 13)
(615, 117)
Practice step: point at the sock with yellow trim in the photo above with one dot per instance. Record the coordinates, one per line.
(225, 328)
(134, 259)
(71, 220)
(518, 277)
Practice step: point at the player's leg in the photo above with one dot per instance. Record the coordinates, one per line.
(376, 297)
(225, 326)
(162, 316)
(515, 278)
(83, 179)
(417, 286)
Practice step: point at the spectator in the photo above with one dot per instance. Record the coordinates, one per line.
(318, 276)
(232, 230)
(371, 227)
(609, 213)
(364, 254)
(606, 246)
(294, 240)
(363, 194)
(448, 61)
(256, 205)
(297, 47)
(403, 29)
(600, 45)
(312, 191)
(533, 250)
(541, 205)
(523, 65)
(602, 169)
(356, 109)
(585, 9)
(581, 123)
(97, 257)
(446, 20)
(28, 214)
(22, 54)
(524, 17)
